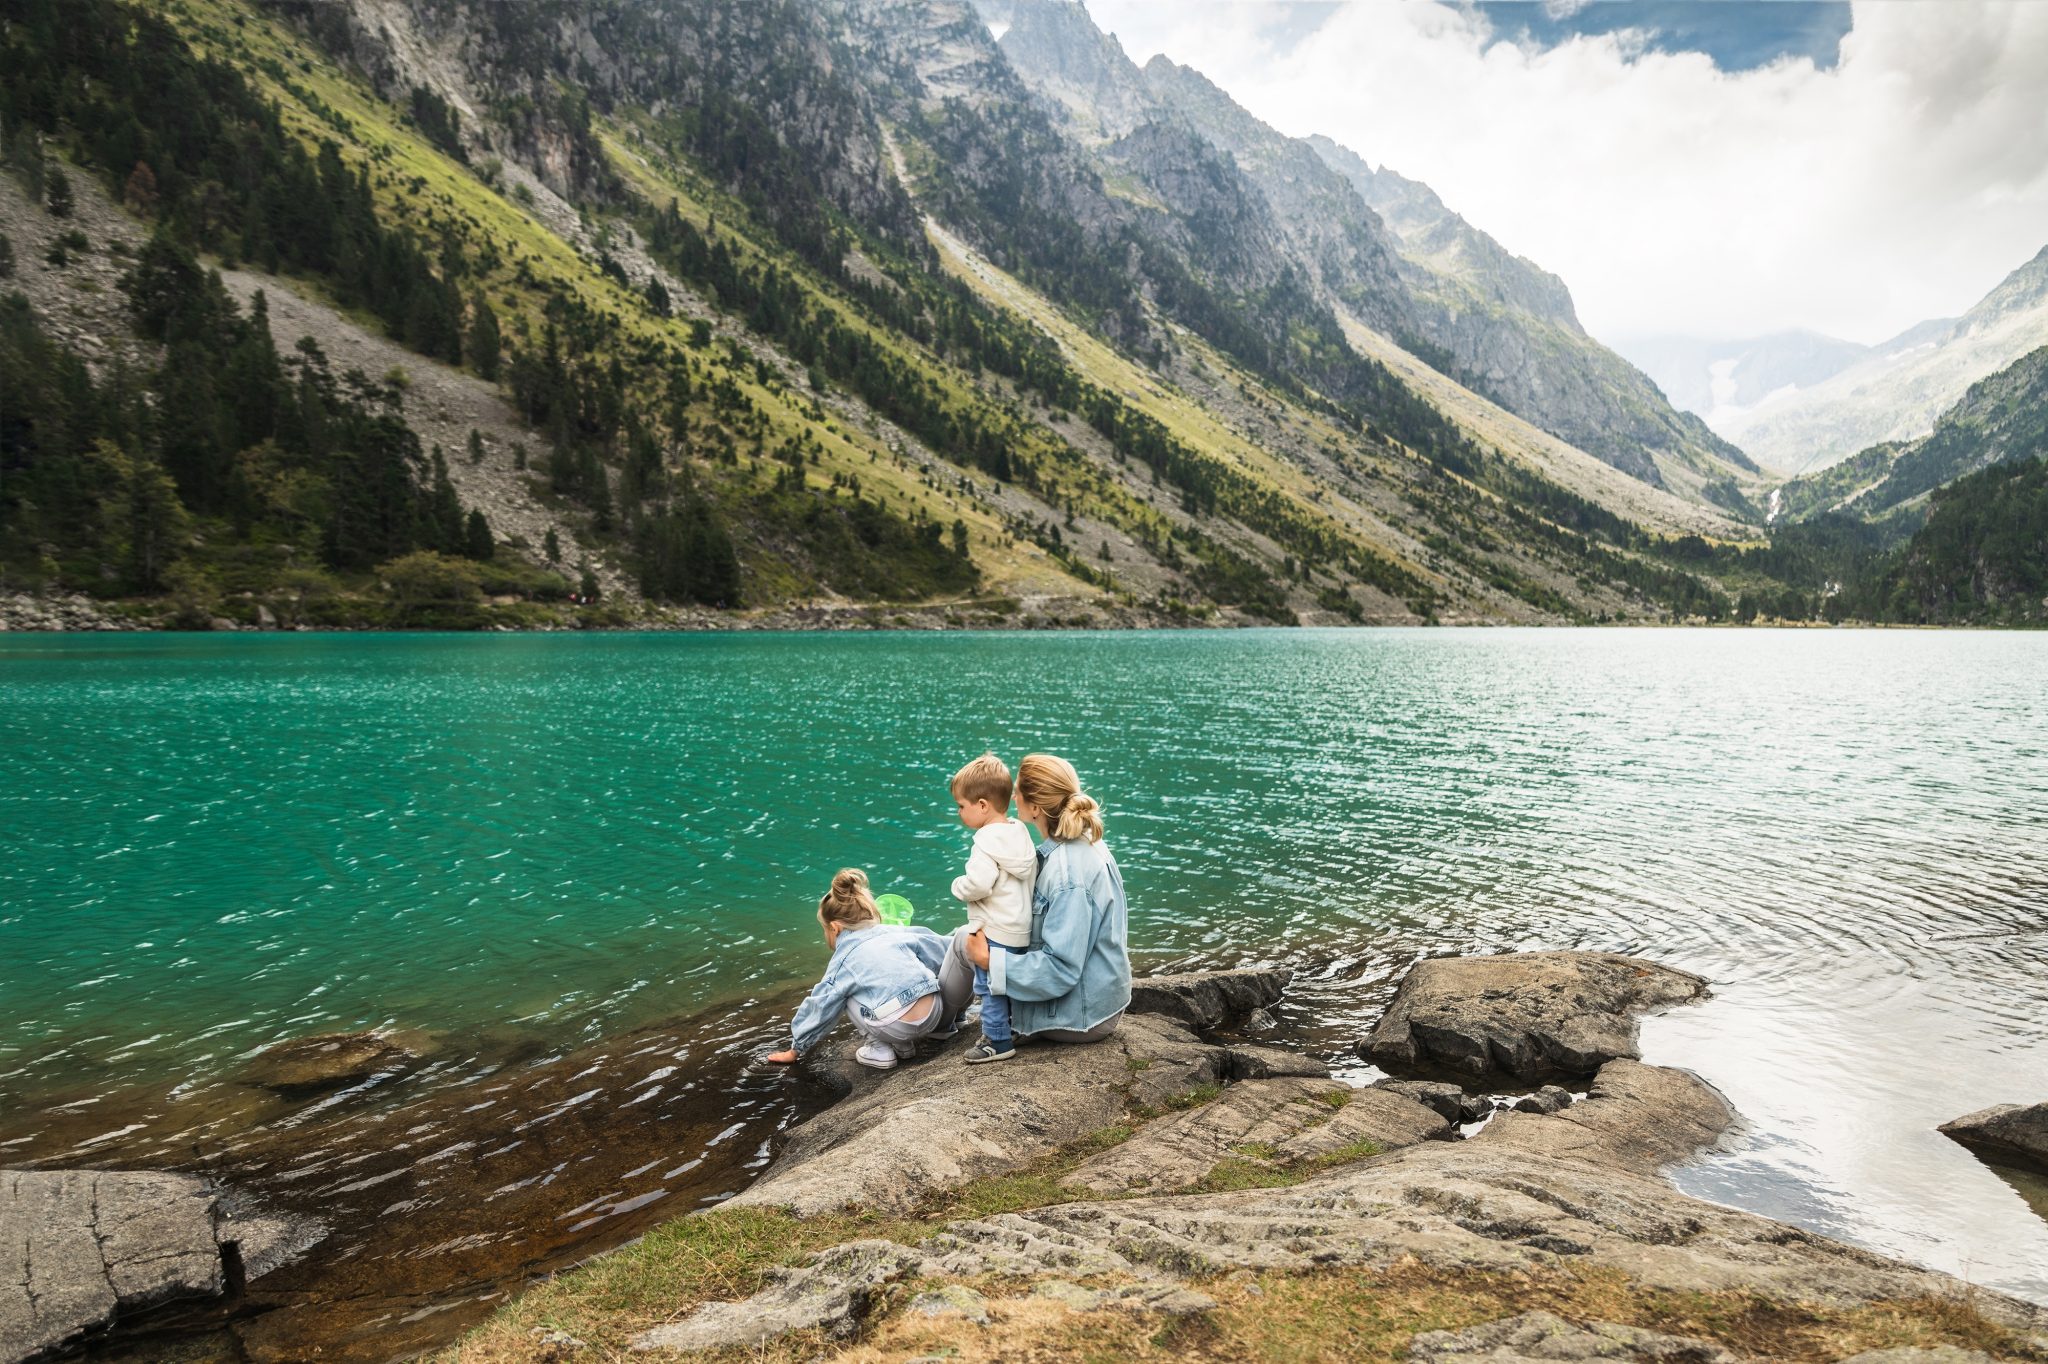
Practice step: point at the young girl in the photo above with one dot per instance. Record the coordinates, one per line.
(882, 974)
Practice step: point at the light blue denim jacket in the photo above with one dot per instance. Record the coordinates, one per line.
(1078, 971)
(877, 968)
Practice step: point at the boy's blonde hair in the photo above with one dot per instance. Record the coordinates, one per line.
(1051, 786)
(984, 779)
(849, 903)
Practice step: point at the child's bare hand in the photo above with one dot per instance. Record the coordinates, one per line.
(782, 1058)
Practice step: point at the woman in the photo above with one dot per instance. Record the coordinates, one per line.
(1075, 982)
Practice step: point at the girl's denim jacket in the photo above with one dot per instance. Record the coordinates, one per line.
(876, 970)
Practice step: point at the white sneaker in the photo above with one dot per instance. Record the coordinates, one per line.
(879, 1055)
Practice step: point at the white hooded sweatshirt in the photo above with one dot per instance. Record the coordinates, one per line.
(997, 884)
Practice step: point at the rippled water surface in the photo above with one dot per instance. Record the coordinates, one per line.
(524, 847)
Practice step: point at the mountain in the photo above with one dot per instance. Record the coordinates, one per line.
(1423, 278)
(472, 313)
(1507, 328)
(1719, 380)
(1895, 392)
(1999, 420)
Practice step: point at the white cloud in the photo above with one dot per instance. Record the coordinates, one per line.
(1670, 195)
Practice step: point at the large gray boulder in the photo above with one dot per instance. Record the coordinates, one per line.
(78, 1247)
(2005, 1134)
(1208, 1000)
(1522, 1016)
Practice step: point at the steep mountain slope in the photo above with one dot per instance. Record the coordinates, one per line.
(1445, 292)
(758, 306)
(1896, 392)
(1718, 380)
(1999, 420)
(1507, 328)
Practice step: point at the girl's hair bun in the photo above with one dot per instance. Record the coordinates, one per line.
(849, 881)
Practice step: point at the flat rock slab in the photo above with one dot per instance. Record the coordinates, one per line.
(2007, 1134)
(1268, 1122)
(902, 1136)
(1522, 1016)
(1543, 1191)
(1209, 1000)
(1542, 1336)
(79, 1246)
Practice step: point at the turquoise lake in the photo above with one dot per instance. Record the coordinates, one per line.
(212, 843)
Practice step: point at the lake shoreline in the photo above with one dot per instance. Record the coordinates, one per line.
(28, 614)
(1182, 1185)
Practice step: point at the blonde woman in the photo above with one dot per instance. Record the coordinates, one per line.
(1074, 982)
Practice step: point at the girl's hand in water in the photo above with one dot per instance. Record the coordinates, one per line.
(782, 1058)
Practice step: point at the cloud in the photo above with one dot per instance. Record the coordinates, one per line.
(1673, 196)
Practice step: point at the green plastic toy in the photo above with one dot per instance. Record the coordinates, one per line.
(895, 909)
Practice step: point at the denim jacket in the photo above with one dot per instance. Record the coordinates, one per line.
(1078, 971)
(875, 969)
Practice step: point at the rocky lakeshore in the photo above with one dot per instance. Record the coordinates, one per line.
(1193, 1188)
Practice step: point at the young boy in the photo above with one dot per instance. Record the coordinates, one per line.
(996, 888)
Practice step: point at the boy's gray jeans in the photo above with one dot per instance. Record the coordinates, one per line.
(956, 992)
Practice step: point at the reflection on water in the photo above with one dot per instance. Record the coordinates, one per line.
(525, 846)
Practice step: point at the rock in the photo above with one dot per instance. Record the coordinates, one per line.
(900, 1137)
(1385, 1121)
(1129, 1297)
(1247, 1062)
(1209, 1000)
(1549, 1099)
(1475, 1108)
(1448, 1100)
(1939, 1354)
(307, 1066)
(2006, 1134)
(1265, 1121)
(951, 1300)
(1634, 1117)
(835, 1292)
(1541, 1336)
(78, 1247)
(1525, 1016)
(1502, 1204)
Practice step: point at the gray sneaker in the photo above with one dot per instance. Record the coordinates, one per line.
(986, 1050)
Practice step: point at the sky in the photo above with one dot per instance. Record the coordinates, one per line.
(1709, 168)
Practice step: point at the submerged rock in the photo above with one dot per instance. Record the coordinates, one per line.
(2005, 1134)
(1542, 1336)
(81, 1246)
(1524, 1016)
(306, 1066)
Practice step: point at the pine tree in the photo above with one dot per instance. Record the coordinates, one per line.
(480, 545)
(551, 545)
(476, 446)
(58, 189)
(484, 340)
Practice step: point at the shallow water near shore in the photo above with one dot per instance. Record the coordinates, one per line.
(537, 853)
